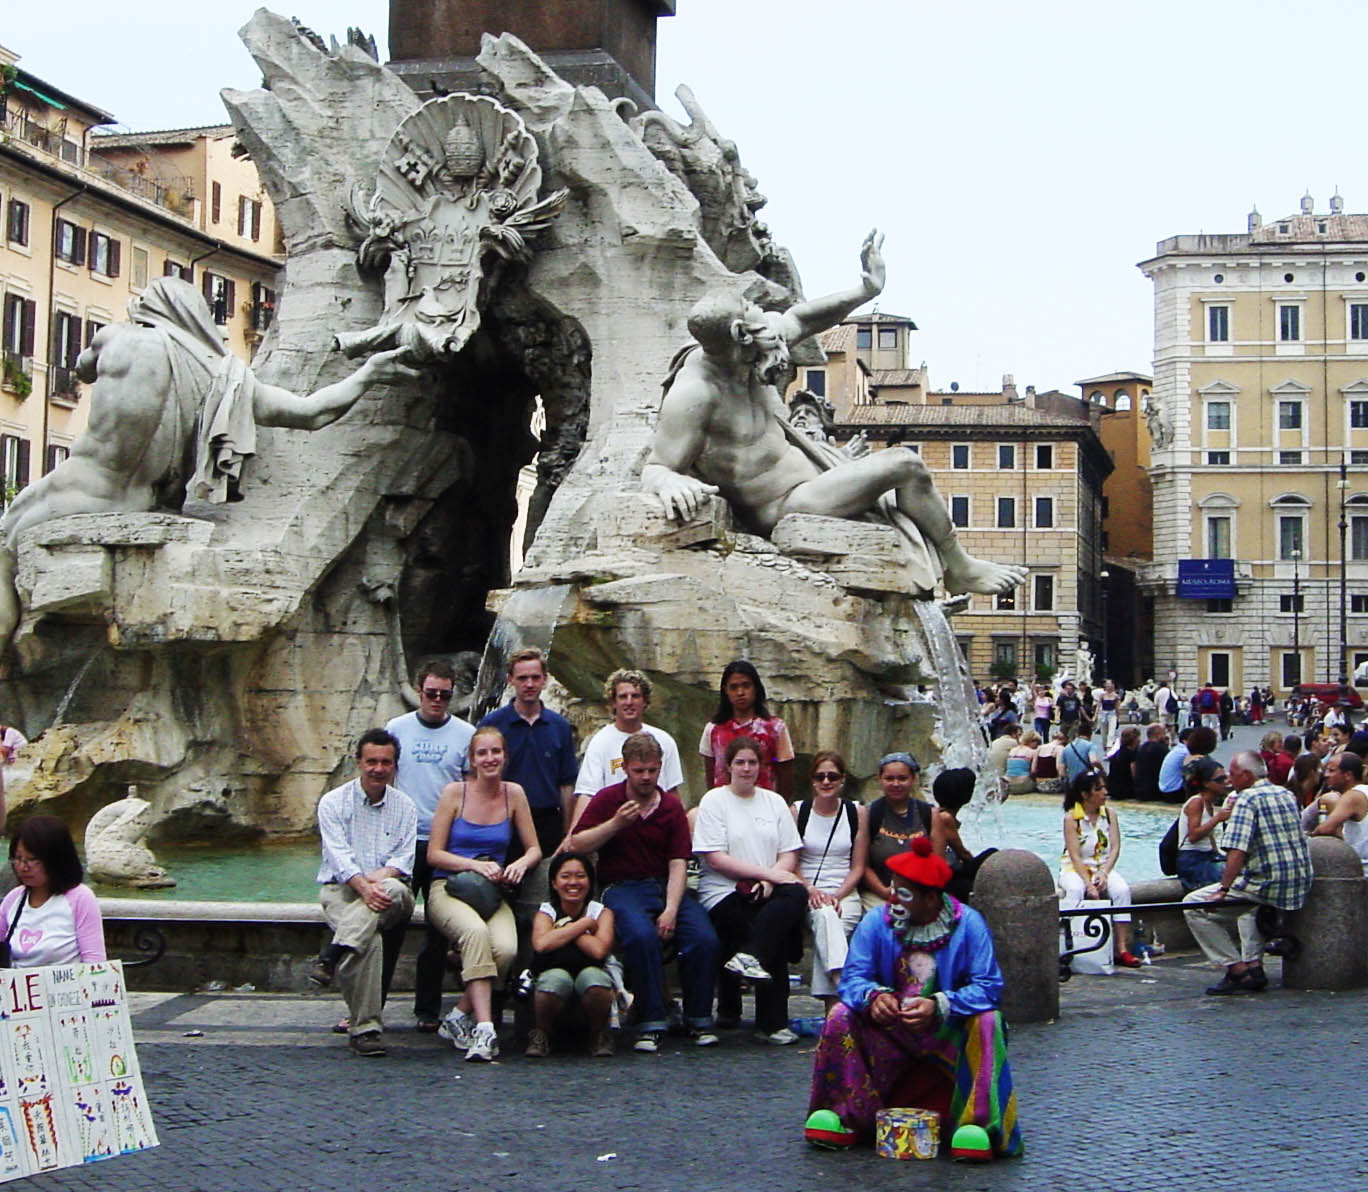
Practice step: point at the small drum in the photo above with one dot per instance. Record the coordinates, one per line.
(907, 1133)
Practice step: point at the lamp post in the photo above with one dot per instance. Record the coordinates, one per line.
(1343, 486)
(1296, 611)
(1103, 575)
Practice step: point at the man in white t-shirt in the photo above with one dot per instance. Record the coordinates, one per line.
(628, 693)
(433, 746)
(1348, 817)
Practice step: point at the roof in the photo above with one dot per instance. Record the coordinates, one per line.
(897, 376)
(1307, 227)
(1111, 377)
(162, 136)
(1015, 416)
(840, 338)
(59, 98)
(879, 316)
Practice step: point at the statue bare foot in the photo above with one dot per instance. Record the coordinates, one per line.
(964, 573)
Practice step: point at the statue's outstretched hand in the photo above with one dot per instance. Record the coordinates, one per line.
(680, 496)
(873, 271)
(385, 368)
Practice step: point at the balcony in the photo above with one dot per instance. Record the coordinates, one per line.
(16, 374)
(63, 386)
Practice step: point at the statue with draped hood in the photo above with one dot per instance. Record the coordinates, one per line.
(171, 410)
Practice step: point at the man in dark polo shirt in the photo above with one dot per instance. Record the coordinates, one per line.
(641, 835)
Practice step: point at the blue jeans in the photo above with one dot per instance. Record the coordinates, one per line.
(1199, 867)
(635, 905)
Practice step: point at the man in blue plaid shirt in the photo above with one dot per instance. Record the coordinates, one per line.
(1267, 861)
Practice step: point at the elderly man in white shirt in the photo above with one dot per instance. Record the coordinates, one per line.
(369, 829)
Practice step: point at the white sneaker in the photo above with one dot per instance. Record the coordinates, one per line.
(648, 1043)
(457, 1028)
(743, 964)
(781, 1038)
(703, 1038)
(484, 1043)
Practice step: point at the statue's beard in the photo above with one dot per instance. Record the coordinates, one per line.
(772, 363)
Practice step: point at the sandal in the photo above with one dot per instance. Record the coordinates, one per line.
(426, 1026)
(342, 1026)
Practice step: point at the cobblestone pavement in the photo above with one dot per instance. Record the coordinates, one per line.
(1142, 1083)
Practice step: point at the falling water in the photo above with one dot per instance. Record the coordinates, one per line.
(528, 618)
(71, 690)
(958, 724)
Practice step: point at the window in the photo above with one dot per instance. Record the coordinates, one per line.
(959, 454)
(1289, 415)
(1045, 456)
(816, 377)
(1043, 595)
(17, 227)
(888, 336)
(1289, 323)
(70, 243)
(1006, 513)
(139, 278)
(1218, 324)
(1222, 604)
(1044, 657)
(66, 347)
(1219, 664)
(1358, 604)
(1290, 603)
(218, 293)
(71, 151)
(56, 454)
(1358, 458)
(1005, 601)
(104, 254)
(1005, 655)
(1358, 320)
(93, 328)
(263, 310)
(1291, 669)
(1358, 415)
(1218, 537)
(14, 463)
(20, 318)
(216, 202)
(172, 269)
(1290, 536)
(1218, 459)
(959, 511)
(1044, 512)
(1218, 415)
(864, 338)
(1290, 459)
(1358, 537)
(1006, 455)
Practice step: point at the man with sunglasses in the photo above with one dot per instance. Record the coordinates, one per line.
(433, 746)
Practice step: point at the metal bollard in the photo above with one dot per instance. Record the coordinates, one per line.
(1015, 893)
(1332, 927)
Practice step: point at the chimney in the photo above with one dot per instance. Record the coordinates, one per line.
(1255, 220)
(1308, 204)
(1031, 396)
(1336, 203)
(1009, 389)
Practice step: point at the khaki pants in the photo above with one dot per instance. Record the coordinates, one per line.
(487, 949)
(357, 927)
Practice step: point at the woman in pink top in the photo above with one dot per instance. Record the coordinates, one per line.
(58, 918)
(741, 712)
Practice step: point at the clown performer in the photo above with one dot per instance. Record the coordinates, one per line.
(919, 998)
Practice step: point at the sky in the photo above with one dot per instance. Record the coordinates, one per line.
(1020, 159)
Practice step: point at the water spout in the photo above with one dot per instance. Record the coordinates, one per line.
(71, 690)
(528, 618)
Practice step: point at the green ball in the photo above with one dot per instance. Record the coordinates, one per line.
(971, 1142)
(824, 1119)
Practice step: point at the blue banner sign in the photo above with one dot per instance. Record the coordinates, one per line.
(1206, 579)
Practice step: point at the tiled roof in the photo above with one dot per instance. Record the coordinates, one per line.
(881, 316)
(1015, 415)
(898, 376)
(840, 338)
(1304, 227)
(161, 136)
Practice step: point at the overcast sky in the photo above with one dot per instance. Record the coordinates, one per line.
(1020, 158)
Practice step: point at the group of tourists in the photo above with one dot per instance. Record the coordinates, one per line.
(484, 822)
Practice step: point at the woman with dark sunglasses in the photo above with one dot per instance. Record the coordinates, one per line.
(835, 832)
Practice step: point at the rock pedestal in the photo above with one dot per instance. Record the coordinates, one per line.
(1332, 928)
(1015, 892)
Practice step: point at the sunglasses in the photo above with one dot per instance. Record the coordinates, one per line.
(439, 697)
(827, 776)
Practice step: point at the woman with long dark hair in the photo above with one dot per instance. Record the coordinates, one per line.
(57, 915)
(742, 711)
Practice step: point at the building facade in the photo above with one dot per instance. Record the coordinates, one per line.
(1259, 429)
(83, 230)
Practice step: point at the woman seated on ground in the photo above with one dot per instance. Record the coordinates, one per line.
(1200, 861)
(572, 936)
(1047, 769)
(920, 991)
(1276, 758)
(835, 833)
(1121, 764)
(472, 831)
(952, 790)
(1018, 778)
(896, 818)
(748, 845)
(1092, 844)
(56, 916)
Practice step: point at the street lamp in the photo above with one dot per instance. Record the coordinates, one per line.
(1296, 612)
(1103, 575)
(1343, 486)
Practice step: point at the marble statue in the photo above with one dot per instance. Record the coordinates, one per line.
(171, 409)
(1157, 423)
(1083, 662)
(116, 846)
(455, 198)
(722, 429)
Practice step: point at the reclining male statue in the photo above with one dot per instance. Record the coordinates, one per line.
(723, 429)
(171, 406)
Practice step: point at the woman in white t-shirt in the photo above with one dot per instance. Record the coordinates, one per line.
(835, 834)
(50, 917)
(748, 844)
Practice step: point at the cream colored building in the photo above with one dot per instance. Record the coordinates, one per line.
(1259, 425)
(88, 221)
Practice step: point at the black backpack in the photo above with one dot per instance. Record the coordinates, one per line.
(1168, 851)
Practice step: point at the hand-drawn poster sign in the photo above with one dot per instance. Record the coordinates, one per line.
(70, 1088)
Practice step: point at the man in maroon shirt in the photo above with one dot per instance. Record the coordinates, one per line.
(641, 835)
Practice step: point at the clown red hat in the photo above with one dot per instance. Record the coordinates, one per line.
(920, 865)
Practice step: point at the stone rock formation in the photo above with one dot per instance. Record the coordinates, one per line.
(116, 846)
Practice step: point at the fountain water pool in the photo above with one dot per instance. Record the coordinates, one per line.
(285, 872)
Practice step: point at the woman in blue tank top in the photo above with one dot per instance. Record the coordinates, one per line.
(474, 829)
